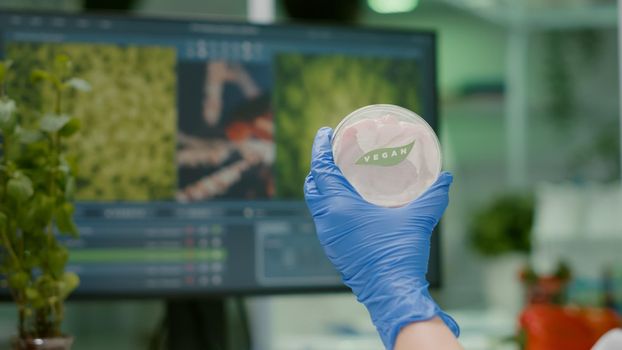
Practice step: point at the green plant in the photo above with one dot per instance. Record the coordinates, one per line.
(37, 184)
(503, 226)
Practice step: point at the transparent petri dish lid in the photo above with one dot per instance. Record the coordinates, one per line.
(389, 154)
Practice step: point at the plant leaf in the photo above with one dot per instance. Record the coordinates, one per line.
(37, 75)
(52, 123)
(31, 259)
(386, 156)
(8, 119)
(78, 84)
(70, 188)
(19, 280)
(3, 219)
(57, 258)
(63, 168)
(71, 127)
(32, 293)
(43, 207)
(70, 282)
(4, 68)
(20, 188)
(62, 61)
(34, 297)
(45, 284)
(28, 136)
(25, 219)
(64, 219)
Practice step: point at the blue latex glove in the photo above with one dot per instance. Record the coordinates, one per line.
(381, 253)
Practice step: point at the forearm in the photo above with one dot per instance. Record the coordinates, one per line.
(430, 334)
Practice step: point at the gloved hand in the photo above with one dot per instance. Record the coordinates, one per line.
(381, 253)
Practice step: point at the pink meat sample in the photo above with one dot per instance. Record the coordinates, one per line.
(381, 184)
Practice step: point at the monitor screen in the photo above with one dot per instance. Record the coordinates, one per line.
(196, 139)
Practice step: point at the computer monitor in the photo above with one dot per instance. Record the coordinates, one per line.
(196, 140)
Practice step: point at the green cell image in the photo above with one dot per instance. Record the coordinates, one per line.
(125, 149)
(319, 90)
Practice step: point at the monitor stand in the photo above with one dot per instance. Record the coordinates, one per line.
(206, 324)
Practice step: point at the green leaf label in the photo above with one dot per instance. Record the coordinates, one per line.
(386, 156)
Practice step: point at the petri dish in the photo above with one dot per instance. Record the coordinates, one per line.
(388, 153)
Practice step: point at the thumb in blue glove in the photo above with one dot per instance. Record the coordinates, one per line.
(381, 253)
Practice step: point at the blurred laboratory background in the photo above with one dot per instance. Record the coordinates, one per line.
(524, 94)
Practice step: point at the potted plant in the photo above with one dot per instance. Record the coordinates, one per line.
(501, 232)
(37, 183)
(546, 288)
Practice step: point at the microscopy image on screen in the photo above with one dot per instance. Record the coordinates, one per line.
(125, 149)
(319, 90)
(225, 146)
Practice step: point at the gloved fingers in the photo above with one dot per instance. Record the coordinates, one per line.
(442, 184)
(310, 188)
(445, 178)
(436, 197)
(328, 177)
(312, 196)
